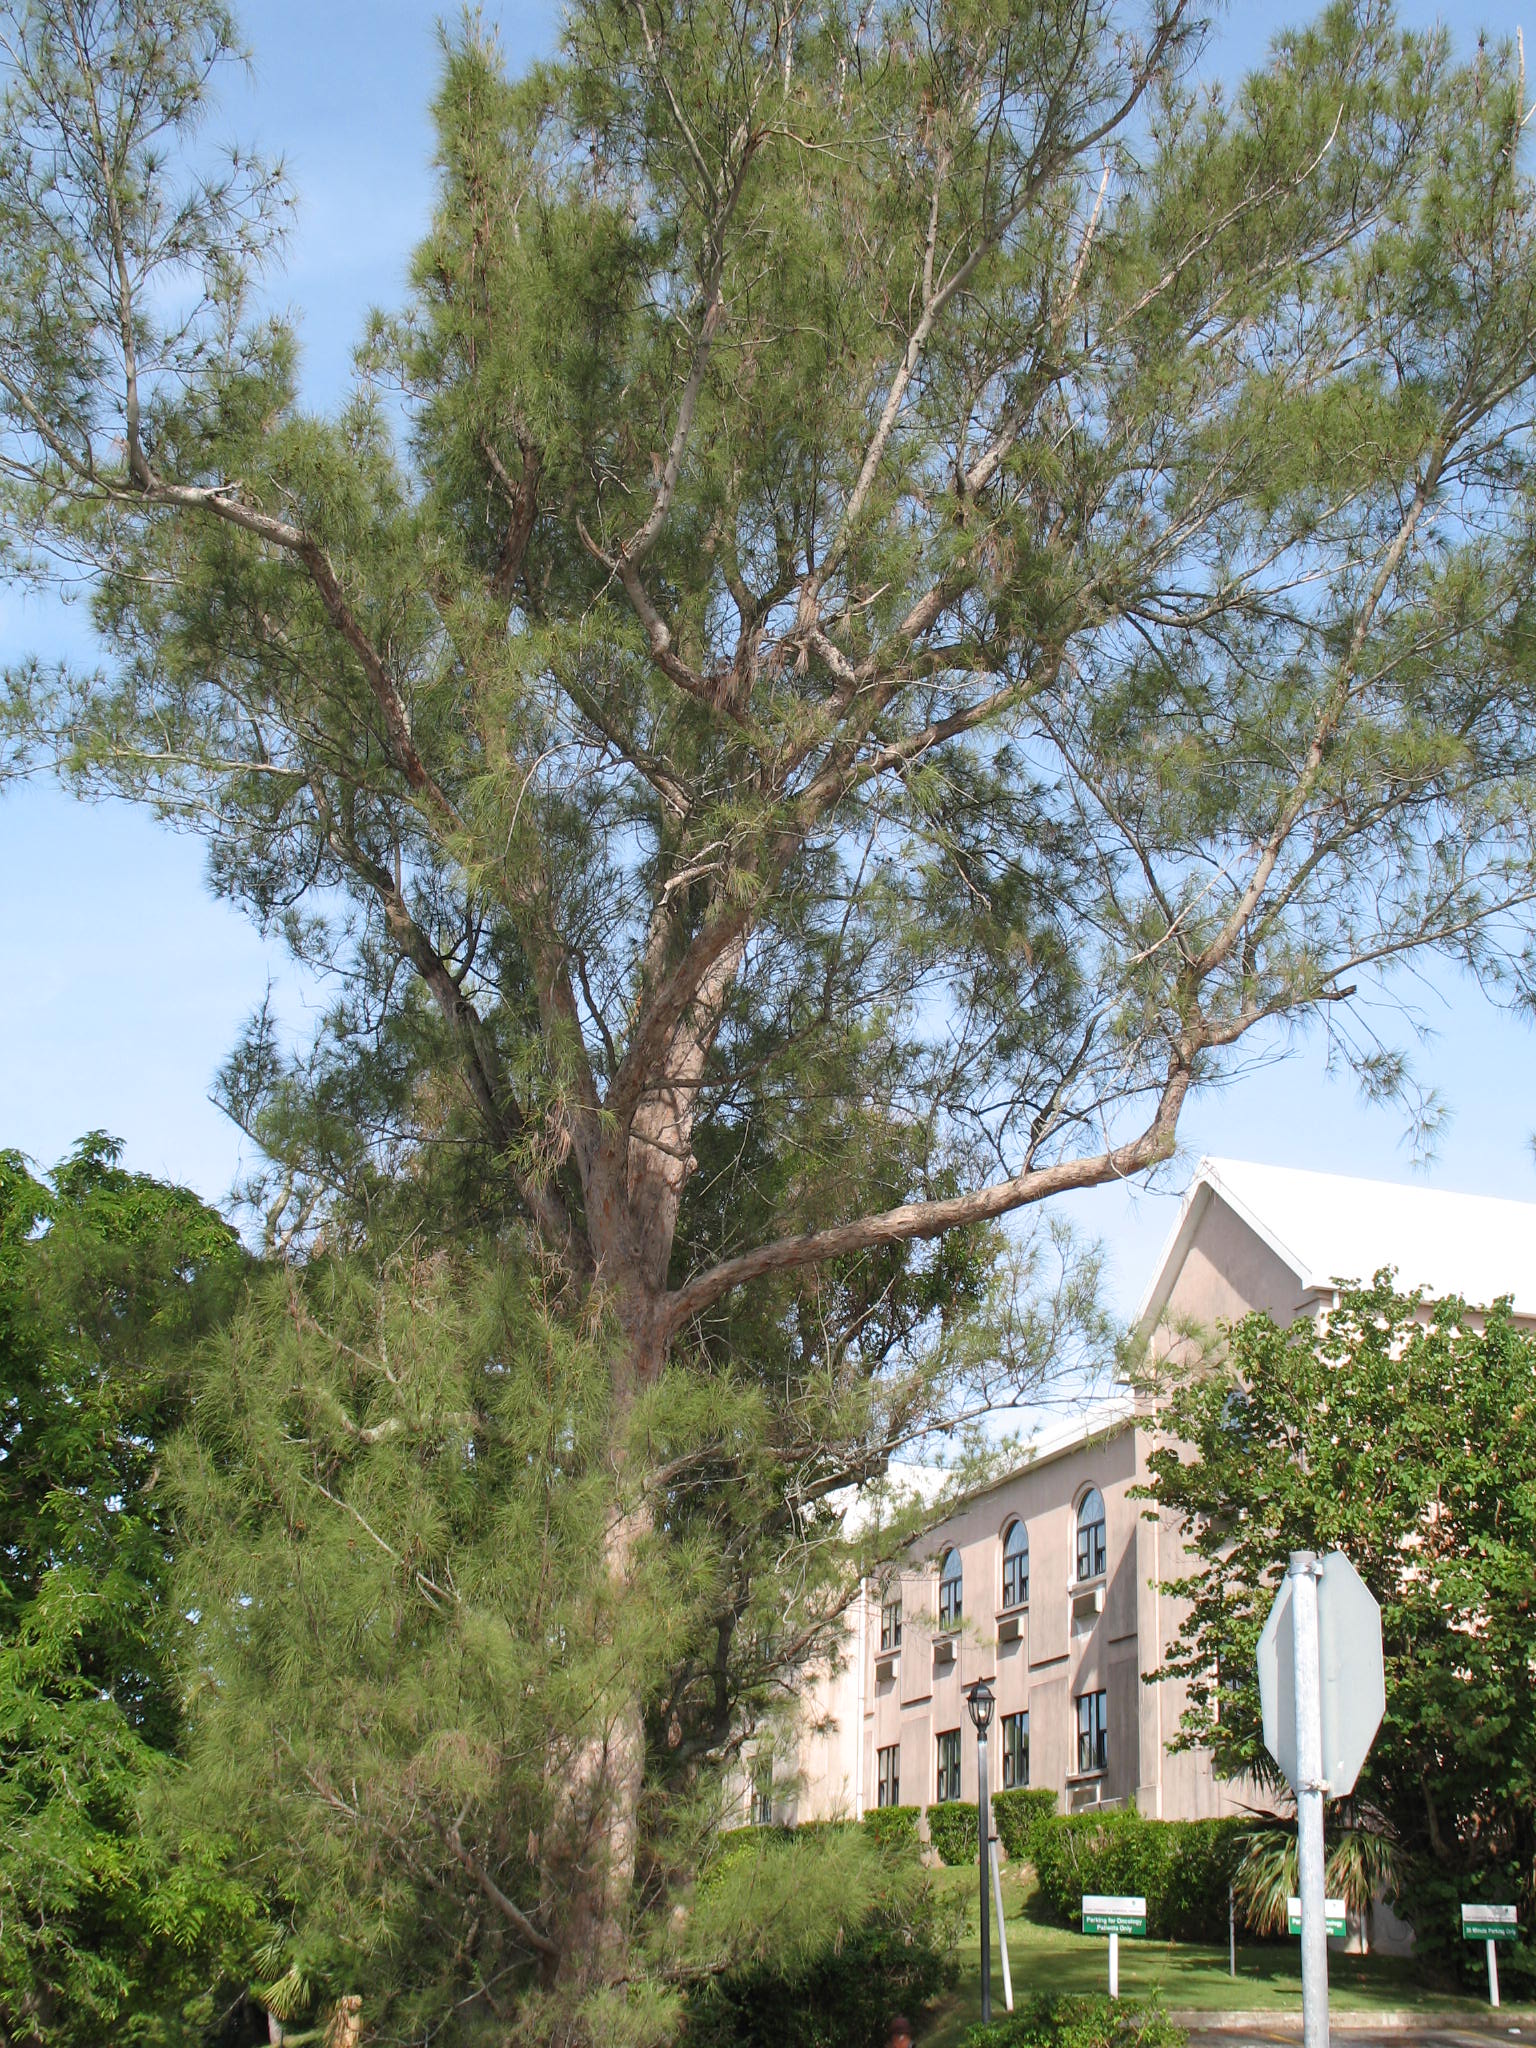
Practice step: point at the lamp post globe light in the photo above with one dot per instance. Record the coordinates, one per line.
(981, 1701)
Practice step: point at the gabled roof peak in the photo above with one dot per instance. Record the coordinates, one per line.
(1329, 1227)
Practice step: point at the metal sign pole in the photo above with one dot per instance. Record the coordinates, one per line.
(1493, 1973)
(1114, 1964)
(1231, 1932)
(1304, 1573)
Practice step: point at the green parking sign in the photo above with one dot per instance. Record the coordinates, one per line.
(1107, 1914)
(1490, 1923)
(1333, 1916)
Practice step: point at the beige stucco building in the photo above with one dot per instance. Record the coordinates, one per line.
(1046, 1582)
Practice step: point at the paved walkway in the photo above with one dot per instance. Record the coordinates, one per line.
(1359, 2030)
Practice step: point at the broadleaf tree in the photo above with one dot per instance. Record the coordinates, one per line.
(1404, 1434)
(908, 586)
(109, 1926)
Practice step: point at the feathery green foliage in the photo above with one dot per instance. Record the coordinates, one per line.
(390, 1495)
(907, 588)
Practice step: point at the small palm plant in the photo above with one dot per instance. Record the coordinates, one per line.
(1266, 1878)
(1362, 1867)
(294, 1992)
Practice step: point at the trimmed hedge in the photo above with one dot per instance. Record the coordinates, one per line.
(892, 1827)
(1182, 1868)
(952, 1830)
(1201, 1865)
(1016, 1815)
(731, 1840)
(1096, 2022)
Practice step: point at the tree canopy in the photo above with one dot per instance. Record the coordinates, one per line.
(1405, 1436)
(106, 1925)
(908, 585)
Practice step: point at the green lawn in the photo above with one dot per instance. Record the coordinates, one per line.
(1184, 1977)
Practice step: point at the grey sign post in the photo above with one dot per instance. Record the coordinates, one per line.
(1322, 1689)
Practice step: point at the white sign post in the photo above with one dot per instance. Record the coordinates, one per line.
(1322, 1688)
(1491, 1925)
(1002, 1932)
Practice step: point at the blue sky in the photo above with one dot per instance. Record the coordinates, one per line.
(125, 983)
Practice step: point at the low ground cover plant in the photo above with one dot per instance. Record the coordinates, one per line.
(1097, 2022)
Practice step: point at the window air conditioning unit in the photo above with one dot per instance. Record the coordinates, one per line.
(1086, 1609)
(1010, 1629)
(944, 1650)
(885, 1665)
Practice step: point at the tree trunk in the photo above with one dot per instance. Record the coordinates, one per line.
(345, 2029)
(589, 1856)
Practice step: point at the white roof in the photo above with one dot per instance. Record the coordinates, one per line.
(1330, 1227)
(1097, 1416)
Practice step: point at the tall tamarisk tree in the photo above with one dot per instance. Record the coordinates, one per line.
(909, 584)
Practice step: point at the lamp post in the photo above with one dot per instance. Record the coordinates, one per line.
(980, 1701)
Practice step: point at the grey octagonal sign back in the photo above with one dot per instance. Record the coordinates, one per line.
(1354, 1692)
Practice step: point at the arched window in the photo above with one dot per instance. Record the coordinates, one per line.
(1090, 1535)
(950, 1590)
(1015, 1565)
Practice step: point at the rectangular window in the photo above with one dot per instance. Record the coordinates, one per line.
(888, 1776)
(1015, 1578)
(950, 1595)
(1092, 1732)
(762, 1795)
(1015, 1750)
(1090, 1550)
(948, 1786)
(890, 1622)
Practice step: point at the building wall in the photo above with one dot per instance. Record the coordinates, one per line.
(1073, 1640)
(1065, 1647)
(1226, 1272)
(1218, 1269)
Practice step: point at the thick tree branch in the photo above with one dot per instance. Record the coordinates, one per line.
(509, 1909)
(932, 1218)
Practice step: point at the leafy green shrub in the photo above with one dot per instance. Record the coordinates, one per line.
(733, 1842)
(1100, 1852)
(814, 1943)
(1202, 1859)
(1430, 1900)
(1181, 1868)
(1081, 2023)
(892, 1827)
(1016, 1815)
(952, 1830)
